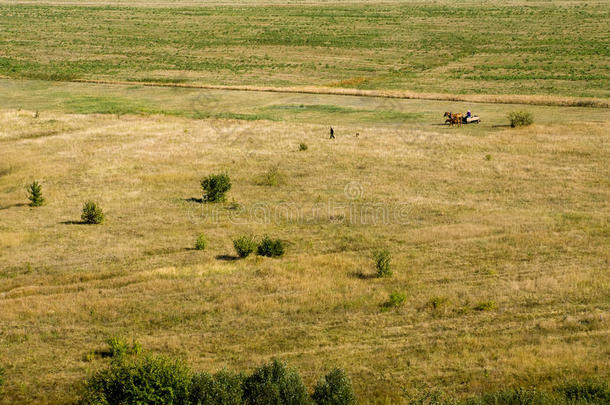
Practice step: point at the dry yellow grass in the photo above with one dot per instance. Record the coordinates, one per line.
(518, 217)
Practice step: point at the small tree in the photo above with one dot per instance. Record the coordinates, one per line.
(274, 383)
(382, 260)
(35, 194)
(215, 186)
(92, 213)
(201, 242)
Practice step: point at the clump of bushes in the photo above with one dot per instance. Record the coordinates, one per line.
(334, 388)
(215, 186)
(92, 213)
(302, 146)
(382, 260)
(35, 194)
(244, 245)
(159, 380)
(520, 118)
(201, 242)
(274, 383)
(396, 299)
(270, 247)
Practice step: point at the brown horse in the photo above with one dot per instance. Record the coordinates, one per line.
(453, 119)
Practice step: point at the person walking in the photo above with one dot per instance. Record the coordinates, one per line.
(332, 133)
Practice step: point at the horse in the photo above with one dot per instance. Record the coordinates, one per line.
(453, 118)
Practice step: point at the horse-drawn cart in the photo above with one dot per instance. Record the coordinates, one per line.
(471, 120)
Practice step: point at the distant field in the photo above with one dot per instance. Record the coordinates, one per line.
(555, 48)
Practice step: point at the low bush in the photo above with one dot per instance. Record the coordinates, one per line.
(118, 347)
(201, 242)
(272, 177)
(141, 380)
(271, 247)
(222, 388)
(590, 391)
(520, 118)
(244, 245)
(334, 389)
(35, 194)
(396, 299)
(215, 187)
(436, 302)
(302, 146)
(274, 383)
(382, 260)
(485, 306)
(92, 213)
(1, 378)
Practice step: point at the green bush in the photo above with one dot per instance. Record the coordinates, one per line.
(118, 347)
(519, 396)
(201, 242)
(334, 389)
(520, 118)
(302, 147)
(274, 383)
(35, 194)
(215, 187)
(396, 299)
(142, 380)
(222, 388)
(92, 213)
(586, 392)
(1, 378)
(244, 245)
(271, 247)
(382, 260)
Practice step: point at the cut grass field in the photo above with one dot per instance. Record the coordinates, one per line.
(498, 236)
(540, 48)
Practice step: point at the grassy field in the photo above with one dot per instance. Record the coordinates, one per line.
(486, 213)
(499, 236)
(551, 48)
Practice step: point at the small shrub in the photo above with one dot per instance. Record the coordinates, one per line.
(215, 187)
(141, 380)
(35, 194)
(436, 302)
(396, 299)
(92, 213)
(271, 247)
(591, 391)
(485, 306)
(222, 388)
(272, 177)
(382, 260)
(1, 378)
(274, 383)
(520, 118)
(118, 347)
(334, 389)
(302, 147)
(488, 157)
(201, 242)
(244, 245)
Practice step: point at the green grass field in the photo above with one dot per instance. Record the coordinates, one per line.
(499, 236)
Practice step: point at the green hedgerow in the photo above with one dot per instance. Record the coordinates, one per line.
(92, 213)
(35, 194)
(271, 247)
(244, 245)
(139, 380)
(274, 383)
(215, 187)
(382, 260)
(334, 389)
(201, 242)
(222, 388)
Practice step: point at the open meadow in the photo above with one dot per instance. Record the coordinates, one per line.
(499, 237)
